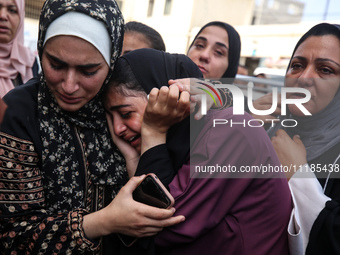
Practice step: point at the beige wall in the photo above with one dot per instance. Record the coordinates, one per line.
(31, 33)
(230, 11)
(173, 28)
(187, 16)
(272, 40)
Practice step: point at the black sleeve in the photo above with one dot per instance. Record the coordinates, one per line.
(157, 160)
(324, 237)
(35, 68)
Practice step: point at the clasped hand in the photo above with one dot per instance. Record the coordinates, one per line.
(166, 107)
(291, 152)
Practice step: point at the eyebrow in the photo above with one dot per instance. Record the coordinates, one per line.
(218, 43)
(318, 60)
(328, 60)
(9, 5)
(64, 63)
(116, 107)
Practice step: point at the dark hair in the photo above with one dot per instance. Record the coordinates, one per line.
(123, 81)
(318, 30)
(153, 37)
(234, 46)
(321, 30)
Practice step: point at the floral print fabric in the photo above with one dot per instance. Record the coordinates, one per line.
(63, 132)
(42, 202)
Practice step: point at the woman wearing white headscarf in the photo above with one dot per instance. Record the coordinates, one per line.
(60, 171)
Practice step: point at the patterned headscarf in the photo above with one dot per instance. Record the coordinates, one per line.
(15, 57)
(62, 131)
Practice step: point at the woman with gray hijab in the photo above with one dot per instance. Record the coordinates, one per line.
(311, 147)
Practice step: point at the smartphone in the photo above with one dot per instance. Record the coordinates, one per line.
(150, 191)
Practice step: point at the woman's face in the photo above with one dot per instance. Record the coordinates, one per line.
(315, 66)
(127, 114)
(9, 20)
(210, 52)
(74, 70)
(133, 41)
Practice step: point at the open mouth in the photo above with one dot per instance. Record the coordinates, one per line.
(134, 138)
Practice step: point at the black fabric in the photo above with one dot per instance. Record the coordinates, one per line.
(325, 233)
(154, 68)
(35, 68)
(25, 124)
(234, 47)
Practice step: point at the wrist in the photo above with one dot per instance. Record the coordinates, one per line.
(151, 138)
(151, 130)
(95, 224)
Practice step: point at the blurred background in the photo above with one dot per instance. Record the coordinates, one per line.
(269, 29)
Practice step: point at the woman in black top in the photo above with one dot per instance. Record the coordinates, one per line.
(313, 146)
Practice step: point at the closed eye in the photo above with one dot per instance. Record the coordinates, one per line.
(296, 66)
(126, 115)
(87, 73)
(56, 67)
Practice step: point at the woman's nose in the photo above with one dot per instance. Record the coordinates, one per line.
(307, 77)
(205, 55)
(70, 83)
(3, 13)
(118, 126)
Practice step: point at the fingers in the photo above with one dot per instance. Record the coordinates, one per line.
(151, 219)
(279, 137)
(132, 184)
(194, 87)
(162, 96)
(170, 98)
(184, 103)
(281, 133)
(157, 217)
(196, 104)
(173, 96)
(298, 141)
(166, 222)
(153, 96)
(182, 84)
(296, 138)
(150, 227)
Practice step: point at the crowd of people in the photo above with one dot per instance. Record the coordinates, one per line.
(110, 106)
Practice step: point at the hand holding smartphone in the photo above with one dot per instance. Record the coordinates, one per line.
(150, 191)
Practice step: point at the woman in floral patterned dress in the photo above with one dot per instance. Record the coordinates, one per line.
(58, 166)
